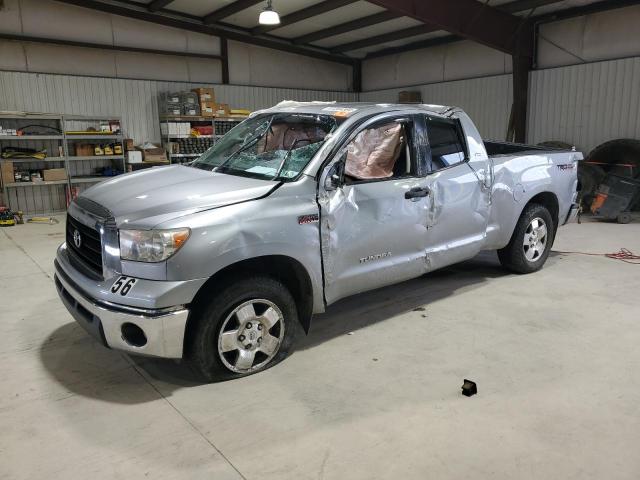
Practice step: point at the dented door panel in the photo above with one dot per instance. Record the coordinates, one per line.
(372, 236)
(458, 213)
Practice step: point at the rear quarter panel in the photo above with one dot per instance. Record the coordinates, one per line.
(519, 178)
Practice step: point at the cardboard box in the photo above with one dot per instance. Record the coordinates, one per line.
(6, 172)
(128, 144)
(154, 155)
(54, 174)
(84, 150)
(205, 94)
(208, 109)
(407, 96)
(222, 110)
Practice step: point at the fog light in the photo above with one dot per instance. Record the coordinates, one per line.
(133, 335)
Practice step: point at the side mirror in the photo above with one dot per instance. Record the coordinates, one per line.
(333, 180)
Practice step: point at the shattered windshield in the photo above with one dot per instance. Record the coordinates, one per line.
(271, 146)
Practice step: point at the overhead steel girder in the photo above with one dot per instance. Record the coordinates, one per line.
(229, 10)
(156, 5)
(470, 19)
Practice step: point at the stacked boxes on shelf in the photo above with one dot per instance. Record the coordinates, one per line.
(179, 103)
(186, 137)
(207, 101)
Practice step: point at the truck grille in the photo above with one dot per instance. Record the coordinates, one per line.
(89, 253)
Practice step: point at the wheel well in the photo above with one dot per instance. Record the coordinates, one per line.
(550, 202)
(280, 267)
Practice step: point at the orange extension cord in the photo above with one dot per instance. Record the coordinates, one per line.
(624, 255)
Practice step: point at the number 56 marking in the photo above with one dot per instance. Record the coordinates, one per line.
(123, 285)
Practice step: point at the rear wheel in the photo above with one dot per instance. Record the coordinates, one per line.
(531, 241)
(247, 327)
(624, 217)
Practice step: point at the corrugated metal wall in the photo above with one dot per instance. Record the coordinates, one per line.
(487, 100)
(586, 105)
(133, 100)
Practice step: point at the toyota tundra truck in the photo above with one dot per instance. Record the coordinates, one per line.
(223, 262)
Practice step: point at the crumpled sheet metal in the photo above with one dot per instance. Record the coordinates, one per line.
(374, 151)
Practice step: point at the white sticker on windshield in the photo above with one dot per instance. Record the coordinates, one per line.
(262, 170)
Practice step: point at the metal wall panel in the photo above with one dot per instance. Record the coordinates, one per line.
(487, 100)
(135, 101)
(586, 105)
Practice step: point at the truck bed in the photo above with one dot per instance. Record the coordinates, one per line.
(495, 148)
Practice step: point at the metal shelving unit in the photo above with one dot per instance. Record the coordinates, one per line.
(217, 124)
(81, 168)
(35, 197)
(52, 197)
(167, 139)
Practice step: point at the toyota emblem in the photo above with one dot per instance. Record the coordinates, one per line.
(77, 239)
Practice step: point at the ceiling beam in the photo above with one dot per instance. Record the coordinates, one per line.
(158, 5)
(229, 10)
(300, 15)
(587, 9)
(429, 42)
(515, 6)
(480, 23)
(102, 46)
(511, 7)
(523, 5)
(176, 20)
(385, 37)
(347, 27)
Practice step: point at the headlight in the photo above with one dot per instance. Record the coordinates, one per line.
(151, 245)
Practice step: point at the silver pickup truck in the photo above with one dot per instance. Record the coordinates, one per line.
(224, 261)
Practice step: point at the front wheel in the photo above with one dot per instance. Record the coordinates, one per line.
(531, 241)
(247, 327)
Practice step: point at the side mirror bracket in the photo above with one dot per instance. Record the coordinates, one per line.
(333, 180)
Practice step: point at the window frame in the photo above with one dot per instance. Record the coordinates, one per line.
(416, 161)
(461, 138)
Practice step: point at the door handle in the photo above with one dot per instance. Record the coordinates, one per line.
(417, 192)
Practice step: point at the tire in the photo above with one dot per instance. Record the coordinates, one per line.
(529, 247)
(624, 218)
(247, 327)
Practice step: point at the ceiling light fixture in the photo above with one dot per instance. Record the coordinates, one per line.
(269, 16)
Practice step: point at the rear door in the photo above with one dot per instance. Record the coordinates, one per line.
(460, 191)
(374, 230)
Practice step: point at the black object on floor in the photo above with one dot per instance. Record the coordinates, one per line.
(469, 388)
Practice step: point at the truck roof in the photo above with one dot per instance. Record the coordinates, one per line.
(351, 109)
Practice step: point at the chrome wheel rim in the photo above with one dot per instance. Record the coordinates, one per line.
(251, 336)
(535, 240)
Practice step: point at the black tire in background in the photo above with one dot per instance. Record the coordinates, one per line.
(202, 343)
(513, 256)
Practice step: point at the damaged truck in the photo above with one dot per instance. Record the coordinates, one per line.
(224, 261)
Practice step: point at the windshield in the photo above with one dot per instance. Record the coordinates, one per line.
(276, 146)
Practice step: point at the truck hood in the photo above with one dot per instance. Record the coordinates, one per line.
(148, 197)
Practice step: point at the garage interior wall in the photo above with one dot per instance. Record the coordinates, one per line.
(133, 100)
(248, 64)
(487, 100)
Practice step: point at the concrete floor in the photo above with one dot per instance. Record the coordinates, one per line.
(373, 392)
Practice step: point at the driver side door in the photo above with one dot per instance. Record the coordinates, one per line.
(374, 231)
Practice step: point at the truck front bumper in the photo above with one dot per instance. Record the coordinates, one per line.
(152, 332)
